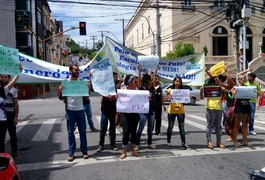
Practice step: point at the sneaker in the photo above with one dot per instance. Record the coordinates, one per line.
(185, 146)
(252, 133)
(70, 158)
(99, 149)
(136, 148)
(93, 130)
(151, 146)
(85, 156)
(114, 148)
(168, 145)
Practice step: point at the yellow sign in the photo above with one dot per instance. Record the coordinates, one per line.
(217, 69)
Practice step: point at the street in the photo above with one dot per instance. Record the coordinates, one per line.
(42, 141)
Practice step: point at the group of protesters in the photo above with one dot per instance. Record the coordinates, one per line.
(217, 108)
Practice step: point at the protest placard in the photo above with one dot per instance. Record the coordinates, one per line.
(9, 61)
(102, 81)
(133, 101)
(180, 96)
(246, 92)
(75, 88)
(217, 69)
(148, 62)
(212, 91)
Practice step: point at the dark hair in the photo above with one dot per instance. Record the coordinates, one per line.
(114, 73)
(128, 79)
(212, 80)
(253, 75)
(181, 85)
(146, 78)
(2, 91)
(71, 67)
(222, 77)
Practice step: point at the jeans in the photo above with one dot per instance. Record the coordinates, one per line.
(224, 112)
(171, 121)
(103, 128)
(251, 116)
(11, 127)
(129, 122)
(89, 115)
(78, 118)
(158, 120)
(150, 127)
(213, 118)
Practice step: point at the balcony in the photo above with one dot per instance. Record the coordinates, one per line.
(23, 19)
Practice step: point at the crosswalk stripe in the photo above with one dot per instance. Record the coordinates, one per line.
(196, 117)
(18, 128)
(44, 131)
(197, 125)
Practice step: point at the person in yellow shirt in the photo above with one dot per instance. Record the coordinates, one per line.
(253, 102)
(176, 110)
(213, 115)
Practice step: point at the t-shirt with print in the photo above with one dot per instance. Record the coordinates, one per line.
(9, 101)
(2, 106)
(258, 90)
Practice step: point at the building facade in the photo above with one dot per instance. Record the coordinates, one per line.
(207, 25)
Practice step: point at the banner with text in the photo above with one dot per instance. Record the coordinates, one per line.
(133, 101)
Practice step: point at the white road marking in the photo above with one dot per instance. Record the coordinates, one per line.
(44, 131)
(142, 156)
(99, 117)
(19, 127)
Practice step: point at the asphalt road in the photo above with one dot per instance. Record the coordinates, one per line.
(43, 143)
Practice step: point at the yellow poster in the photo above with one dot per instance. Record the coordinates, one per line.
(217, 69)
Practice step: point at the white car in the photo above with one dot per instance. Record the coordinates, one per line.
(195, 93)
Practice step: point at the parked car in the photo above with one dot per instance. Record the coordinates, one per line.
(8, 168)
(195, 93)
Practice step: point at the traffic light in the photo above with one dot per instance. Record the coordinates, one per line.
(82, 28)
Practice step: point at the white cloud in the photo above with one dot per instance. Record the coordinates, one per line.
(71, 14)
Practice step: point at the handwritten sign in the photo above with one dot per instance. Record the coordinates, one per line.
(246, 92)
(212, 91)
(180, 96)
(217, 69)
(133, 101)
(75, 88)
(148, 62)
(9, 61)
(102, 81)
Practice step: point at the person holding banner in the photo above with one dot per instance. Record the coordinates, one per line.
(176, 110)
(129, 121)
(147, 85)
(108, 113)
(213, 91)
(253, 102)
(241, 111)
(75, 115)
(4, 122)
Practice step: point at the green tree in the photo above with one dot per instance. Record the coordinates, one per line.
(75, 48)
(180, 50)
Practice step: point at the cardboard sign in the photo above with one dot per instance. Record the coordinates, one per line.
(9, 61)
(212, 91)
(217, 69)
(133, 101)
(246, 92)
(180, 96)
(75, 88)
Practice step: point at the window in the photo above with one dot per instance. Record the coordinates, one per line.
(149, 28)
(143, 31)
(187, 2)
(39, 16)
(137, 36)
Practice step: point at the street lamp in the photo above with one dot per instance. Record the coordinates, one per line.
(153, 34)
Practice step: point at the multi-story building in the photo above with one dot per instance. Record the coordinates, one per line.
(28, 26)
(207, 25)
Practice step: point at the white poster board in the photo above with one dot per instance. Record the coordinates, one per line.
(246, 92)
(133, 101)
(148, 62)
(180, 96)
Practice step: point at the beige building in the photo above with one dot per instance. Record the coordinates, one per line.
(201, 23)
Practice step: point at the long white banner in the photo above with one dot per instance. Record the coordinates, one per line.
(123, 61)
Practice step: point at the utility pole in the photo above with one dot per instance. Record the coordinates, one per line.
(123, 34)
(158, 31)
(102, 35)
(93, 39)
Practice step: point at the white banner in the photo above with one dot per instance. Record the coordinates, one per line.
(148, 62)
(246, 92)
(102, 81)
(180, 96)
(133, 101)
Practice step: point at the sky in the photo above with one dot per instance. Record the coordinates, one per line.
(97, 18)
